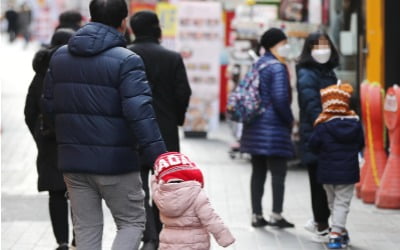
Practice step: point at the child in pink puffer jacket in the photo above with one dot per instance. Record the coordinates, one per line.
(185, 211)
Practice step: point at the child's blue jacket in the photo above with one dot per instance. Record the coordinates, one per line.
(337, 143)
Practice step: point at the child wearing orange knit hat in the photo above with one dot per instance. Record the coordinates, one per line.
(185, 211)
(337, 139)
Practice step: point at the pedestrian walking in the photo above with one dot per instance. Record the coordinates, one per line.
(268, 137)
(50, 177)
(12, 23)
(315, 72)
(171, 93)
(337, 139)
(24, 22)
(97, 93)
(185, 209)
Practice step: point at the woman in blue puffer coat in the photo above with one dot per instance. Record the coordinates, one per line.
(268, 138)
(315, 72)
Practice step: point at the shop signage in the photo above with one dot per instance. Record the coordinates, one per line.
(199, 40)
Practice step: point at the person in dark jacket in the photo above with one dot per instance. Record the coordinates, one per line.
(12, 27)
(314, 72)
(71, 19)
(337, 139)
(49, 176)
(97, 94)
(24, 22)
(171, 93)
(268, 137)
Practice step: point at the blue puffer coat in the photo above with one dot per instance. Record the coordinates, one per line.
(338, 142)
(101, 101)
(309, 83)
(270, 133)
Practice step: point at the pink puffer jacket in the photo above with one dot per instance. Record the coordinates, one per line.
(188, 217)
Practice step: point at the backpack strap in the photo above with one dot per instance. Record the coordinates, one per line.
(267, 63)
(263, 66)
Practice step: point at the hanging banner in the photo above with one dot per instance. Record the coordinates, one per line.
(136, 7)
(199, 40)
(167, 13)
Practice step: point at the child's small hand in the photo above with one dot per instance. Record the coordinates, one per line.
(226, 240)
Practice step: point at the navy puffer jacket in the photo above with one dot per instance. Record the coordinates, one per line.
(102, 105)
(337, 143)
(310, 80)
(270, 133)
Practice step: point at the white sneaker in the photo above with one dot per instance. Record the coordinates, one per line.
(311, 226)
(321, 237)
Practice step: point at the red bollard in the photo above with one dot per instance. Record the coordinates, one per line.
(388, 195)
(363, 95)
(375, 142)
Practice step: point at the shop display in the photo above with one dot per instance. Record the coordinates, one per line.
(293, 10)
(199, 39)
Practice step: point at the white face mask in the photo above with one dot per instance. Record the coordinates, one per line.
(321, 56)
(283, 50)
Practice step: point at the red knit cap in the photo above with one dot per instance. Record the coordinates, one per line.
(176, 166)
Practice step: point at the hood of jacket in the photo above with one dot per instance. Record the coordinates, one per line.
(41, 61)
(176, 198)
(94, 38)
(344, 129)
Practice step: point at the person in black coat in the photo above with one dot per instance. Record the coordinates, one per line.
(12, 19)
(171, 92)
(49, 176)
(314, 72)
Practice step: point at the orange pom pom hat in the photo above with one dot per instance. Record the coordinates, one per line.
(335, 102)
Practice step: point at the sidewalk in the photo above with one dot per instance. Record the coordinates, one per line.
(24, 211)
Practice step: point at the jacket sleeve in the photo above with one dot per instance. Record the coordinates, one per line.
(309, 96)
(182, 91)
(280, 91)
(154, 187)
(47, 99)
(314, 142)
(138, 110)
(32, 110)
(210, 219)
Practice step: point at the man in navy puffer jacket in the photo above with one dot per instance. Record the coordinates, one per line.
(96, 91)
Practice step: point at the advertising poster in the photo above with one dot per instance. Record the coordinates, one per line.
(199, 40)
(167, 13)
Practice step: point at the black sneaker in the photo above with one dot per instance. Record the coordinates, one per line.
(258, 221)
(149, 245)
(281, 223)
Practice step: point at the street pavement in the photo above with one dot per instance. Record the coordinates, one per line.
(25, 221)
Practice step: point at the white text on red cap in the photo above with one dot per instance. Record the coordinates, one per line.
(172, 160)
